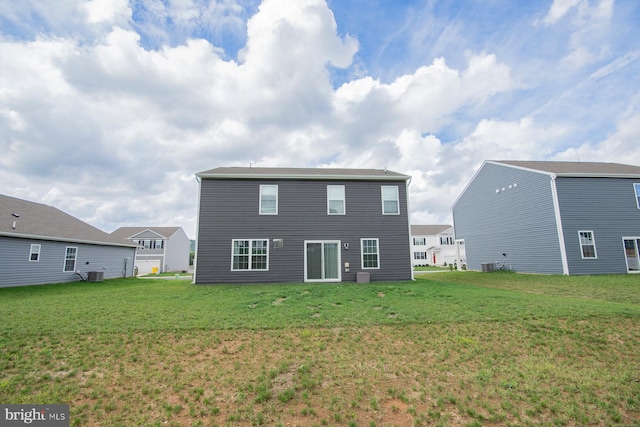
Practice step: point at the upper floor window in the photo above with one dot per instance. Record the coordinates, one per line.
(446, 240)
(250, 255)
(34, 252)
(420, 241)
(587, 244)
(390, 200)
(370, 253)
(636, 188)
(268, 200)
(335, 200)
(71, 254)
(151, 244)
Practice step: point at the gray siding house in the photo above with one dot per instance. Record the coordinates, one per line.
(161, 248)
(552, 217)
(40, 244)
(260, 225)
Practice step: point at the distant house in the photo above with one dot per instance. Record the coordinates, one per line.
(40, 244)
(552, 217)
(435, 245)
(302, 225)
(160, 249)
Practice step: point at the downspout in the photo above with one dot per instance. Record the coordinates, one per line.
(195, 255)
(409, 225)
(556, 209)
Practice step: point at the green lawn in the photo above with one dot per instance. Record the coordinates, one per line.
(459, 348)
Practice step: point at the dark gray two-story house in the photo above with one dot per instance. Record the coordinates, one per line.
(261, 225)
(551, 217)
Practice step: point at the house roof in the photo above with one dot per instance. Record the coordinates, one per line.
(429, 230)
(42, 222)
(128, 232)
(302, 173)
(583, 169)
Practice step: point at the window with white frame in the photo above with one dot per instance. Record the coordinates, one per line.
(448, 240)
(250, 255)
(336, 200)
(34, 252)
(419, 255)
(268, 200)
(636, 189)
(390, 200)
(370, 253)
(587, 244)
(71, 254)
(420, 241)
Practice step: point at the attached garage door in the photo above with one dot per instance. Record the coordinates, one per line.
(147, 266)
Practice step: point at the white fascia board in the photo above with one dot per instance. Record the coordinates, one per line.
(63, 239)
(333, 177)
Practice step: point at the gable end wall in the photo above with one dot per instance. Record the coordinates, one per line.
(519, 221)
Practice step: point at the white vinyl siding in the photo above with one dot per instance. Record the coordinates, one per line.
(370, 253)
(250, 255)
(336, 204)
(34, 252)
(71, 254)
(268, 200)
(587, 245)
(390, 200)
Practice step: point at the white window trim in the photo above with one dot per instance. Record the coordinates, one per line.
(624, 251)
(397, 199)
(362, 253)
(344, 200)
(250, 254)
(75, 259)
(260, 201)
(636, 190)
(593, 237)
(32, 250)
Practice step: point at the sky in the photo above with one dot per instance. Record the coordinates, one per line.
(108, 108)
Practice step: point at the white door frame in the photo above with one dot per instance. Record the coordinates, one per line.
(339, 255)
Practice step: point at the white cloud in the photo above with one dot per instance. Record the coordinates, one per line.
(110, 11)
(558, 9)
(112, 130)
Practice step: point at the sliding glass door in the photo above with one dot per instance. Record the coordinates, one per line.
(631, 246)
(322, 261)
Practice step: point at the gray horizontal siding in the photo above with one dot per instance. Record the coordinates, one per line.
(17, 270)
(229, 210)
(606, 206)
(519, 221)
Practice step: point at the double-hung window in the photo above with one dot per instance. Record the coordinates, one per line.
(390, 200)
(71, 254)
(34, 252)
(636, 188)
(370, 253)
(268, 200)
(420, 241)
(250, 255)
(335, 200)
(587, 244)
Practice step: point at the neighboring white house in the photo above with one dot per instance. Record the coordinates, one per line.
(160, 249)
(435, 245)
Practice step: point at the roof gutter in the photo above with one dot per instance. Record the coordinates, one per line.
(306, 177)
(64, 239)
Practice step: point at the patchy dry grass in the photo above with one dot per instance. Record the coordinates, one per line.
(478, 349)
